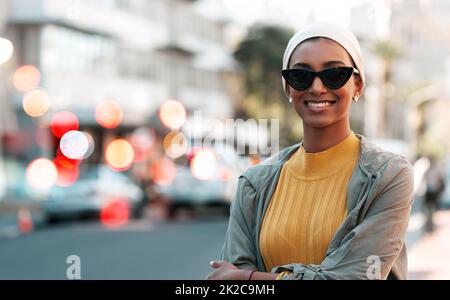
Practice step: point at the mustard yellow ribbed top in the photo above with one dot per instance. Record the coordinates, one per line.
(308, 205)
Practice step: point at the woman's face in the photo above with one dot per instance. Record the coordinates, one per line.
(318, 54)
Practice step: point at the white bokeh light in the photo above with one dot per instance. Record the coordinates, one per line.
(91, 145)
(6, 50)
(204, 166)
(41, 174)
(74, 144)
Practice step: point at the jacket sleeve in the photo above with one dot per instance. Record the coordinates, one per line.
(239, 247)
(370, 250)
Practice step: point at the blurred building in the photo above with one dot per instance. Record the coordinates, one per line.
(139, 53)
(7, 115)
(419, 28)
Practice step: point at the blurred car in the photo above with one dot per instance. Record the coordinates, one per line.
(208, 180)
(95, 188)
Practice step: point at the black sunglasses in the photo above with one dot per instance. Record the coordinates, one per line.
(332, 78)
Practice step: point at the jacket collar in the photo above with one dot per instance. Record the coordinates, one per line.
(371, 159)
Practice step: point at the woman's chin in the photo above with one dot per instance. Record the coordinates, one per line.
(317, 122)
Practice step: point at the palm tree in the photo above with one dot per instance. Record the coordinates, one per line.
(260, 55)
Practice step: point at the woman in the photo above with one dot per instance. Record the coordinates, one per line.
(334, 206)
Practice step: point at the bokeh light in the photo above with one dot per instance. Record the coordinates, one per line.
(172, 114)
(225, 173)
(115, 213)
(6, 50)
(119, 155)
(36, 103)
(74, 144)
(24, 220)
(91, 145)
(62, 161)
(62, 122)
(142, 140)
(204, 165)
(26, 78)
(109, 114)
(43, 138)
(163, 171)
(67, 168)
(66, 176)
(41, 174)
(175, 144)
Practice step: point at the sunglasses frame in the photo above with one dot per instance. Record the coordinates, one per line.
(320, 74)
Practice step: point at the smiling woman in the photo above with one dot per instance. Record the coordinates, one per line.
(333, 206)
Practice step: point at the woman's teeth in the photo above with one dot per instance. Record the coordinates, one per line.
(319, 104)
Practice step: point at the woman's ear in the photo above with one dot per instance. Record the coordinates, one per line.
(287, 90)
(359, 86)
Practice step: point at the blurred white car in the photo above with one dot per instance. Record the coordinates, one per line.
(92, 191)
(208, 180)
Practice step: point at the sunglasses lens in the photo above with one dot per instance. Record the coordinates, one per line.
(336, 77)
(298, 79)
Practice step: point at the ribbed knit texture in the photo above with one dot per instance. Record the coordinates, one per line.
(308, 205)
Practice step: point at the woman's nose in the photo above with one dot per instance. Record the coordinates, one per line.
(317, 86)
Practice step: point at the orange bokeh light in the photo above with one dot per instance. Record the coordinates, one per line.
(36, 103)
(225, 174)
(109, 114)
(63, 122)
(115, 213)
(163, 171)
(62, 161)
(175, 144)
(26, 78)
(172, 114)
(119, 155)
(41, 174)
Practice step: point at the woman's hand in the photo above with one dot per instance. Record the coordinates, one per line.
(225, 271)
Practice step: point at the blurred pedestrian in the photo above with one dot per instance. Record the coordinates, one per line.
(334, 206)
(435, 186)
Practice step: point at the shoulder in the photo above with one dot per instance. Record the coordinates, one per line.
(375, 159)
(393, 171)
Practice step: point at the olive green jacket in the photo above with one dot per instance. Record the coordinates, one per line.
(369, 244)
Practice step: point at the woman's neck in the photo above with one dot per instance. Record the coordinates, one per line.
(321, 139)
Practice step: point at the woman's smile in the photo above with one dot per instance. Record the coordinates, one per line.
(316, 106)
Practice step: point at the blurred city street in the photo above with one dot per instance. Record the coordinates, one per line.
(171, 250)
(429, 257)
(140, 250)
(120, 118)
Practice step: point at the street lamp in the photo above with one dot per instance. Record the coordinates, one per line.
(6, 50)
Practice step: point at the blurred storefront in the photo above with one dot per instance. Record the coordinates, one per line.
(112, 78)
